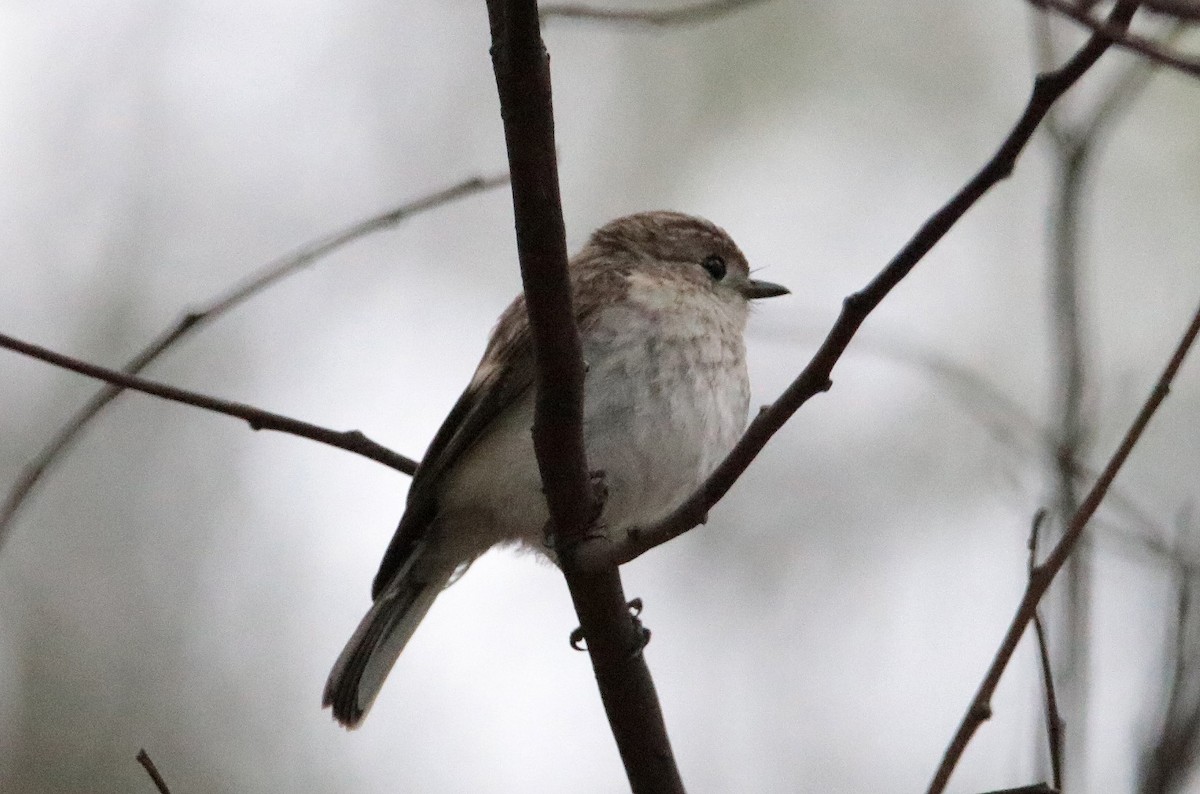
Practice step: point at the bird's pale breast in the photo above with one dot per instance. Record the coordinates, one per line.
(666, 397)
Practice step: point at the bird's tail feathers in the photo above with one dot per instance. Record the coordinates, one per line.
(364, 663)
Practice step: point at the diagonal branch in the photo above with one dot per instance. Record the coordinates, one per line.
(156, 777)
(258, 419)
(814, 379)
(195, 319)
(614, 640)
(1042, 576)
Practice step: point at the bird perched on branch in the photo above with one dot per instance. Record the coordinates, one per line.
(661, 301)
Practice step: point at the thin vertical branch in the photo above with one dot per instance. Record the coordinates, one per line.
(1073, 148)
(1054, 721)
(1069, 428)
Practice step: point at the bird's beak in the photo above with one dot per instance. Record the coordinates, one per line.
(754, 290)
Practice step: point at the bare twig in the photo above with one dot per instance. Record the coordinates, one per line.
(659, 18)
(1054, 722)
(258, 419)
(143, 758)
(1043, 575)
(614, 641)
(814, 379)
(1119, 35)
(193, 320)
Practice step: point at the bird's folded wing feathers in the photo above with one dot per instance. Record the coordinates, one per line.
(504, 374)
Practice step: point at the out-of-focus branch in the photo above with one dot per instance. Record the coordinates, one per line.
(195, 319)
(1042, 576)
(1120, 35)
(1073, 148)
(1172, 757)
(614, 641)
(814, 379)
(143, 758)
(258, 419)
(656, 18)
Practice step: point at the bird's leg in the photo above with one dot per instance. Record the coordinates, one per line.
(635, 607)
(635, 614)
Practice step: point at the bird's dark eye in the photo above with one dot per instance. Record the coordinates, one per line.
(715, 265)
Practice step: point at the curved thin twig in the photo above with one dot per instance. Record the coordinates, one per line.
(258, 419)
(269, 274)
(814, 379)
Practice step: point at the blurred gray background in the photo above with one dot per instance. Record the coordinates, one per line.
(182, 584)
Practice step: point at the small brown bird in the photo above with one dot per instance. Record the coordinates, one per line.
(661, 301)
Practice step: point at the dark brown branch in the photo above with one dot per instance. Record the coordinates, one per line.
(1054, 722)
(523, 79)
(814, 379)
(614, 641)
(660, 18)
(143, 758)
(258, 419)
(1120, 35)
(1042, 576)
(195, 319)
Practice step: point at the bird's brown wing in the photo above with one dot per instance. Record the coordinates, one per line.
(504, 374)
